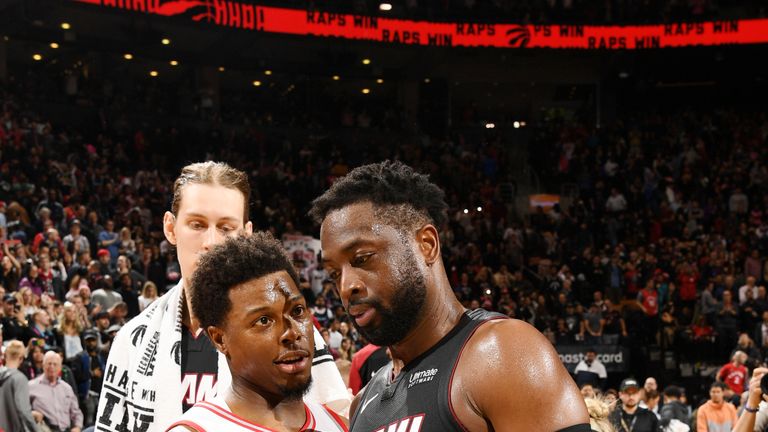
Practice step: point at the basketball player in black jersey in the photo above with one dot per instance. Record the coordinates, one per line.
(452, 370)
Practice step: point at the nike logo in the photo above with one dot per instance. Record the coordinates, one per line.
(365, 404)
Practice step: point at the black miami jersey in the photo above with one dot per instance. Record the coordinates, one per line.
(418, 400)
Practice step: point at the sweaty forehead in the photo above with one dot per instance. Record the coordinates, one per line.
(353, 223)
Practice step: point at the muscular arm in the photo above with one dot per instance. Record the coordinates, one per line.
(510, 378)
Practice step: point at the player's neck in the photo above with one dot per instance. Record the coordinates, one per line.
(247, 403)
(439, 316)
(187, 318)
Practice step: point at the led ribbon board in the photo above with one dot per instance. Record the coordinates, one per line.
(246, 16)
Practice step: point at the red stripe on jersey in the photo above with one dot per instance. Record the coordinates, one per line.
(337, 418)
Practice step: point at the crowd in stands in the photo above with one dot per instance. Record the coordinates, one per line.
(661, 242)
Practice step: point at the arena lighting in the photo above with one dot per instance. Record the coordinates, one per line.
(366, 90)
(128, 56)
(221, 69)
(386, 7)
(174, 63)
(490, 125)
(623, 75)
(516, 125)
(479, 209)
(165, 41)
(379, 81)
(267, 72)
(37, 57)
(366, 61)
(336, 78)
(153, 73)
(54, 45)
(488, 292)
(256, 83)
(466, 211)
(522, 124)
(65, 26)
(426, 80)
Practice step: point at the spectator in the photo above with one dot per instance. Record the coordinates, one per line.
(148, 295)
(40, 328)
(15, 410)
(747, 346)
(587, 391)
(127, 244)
(105, 297)
(598, 415)
(590, 370)
(68, 331)
(734, 375)
(110, 240)
(13, 320)
(674, 408)
(716, 414)
(335, 337)
(321, 312)
(88, 367)
(54, 398)
(105, 265)
(629, 417)
(748, 290)
(728, 322)
(75, 241)
(11, 269)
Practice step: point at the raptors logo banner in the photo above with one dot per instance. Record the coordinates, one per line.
(247, 16)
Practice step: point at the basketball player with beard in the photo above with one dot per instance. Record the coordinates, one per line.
(452, 369)
(245, 294)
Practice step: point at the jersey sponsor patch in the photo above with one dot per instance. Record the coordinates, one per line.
(421, 377)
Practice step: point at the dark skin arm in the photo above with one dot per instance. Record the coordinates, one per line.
(509, 378)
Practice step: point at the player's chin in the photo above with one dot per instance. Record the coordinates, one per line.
(297, 387)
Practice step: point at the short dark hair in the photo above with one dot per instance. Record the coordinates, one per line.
(237, 260)
(673, 391)
(399, 194)
(719, 384)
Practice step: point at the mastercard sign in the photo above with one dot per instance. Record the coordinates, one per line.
(251, 17)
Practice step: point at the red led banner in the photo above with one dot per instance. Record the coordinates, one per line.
(246, 16)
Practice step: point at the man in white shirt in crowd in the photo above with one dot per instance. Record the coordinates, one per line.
(590, 370)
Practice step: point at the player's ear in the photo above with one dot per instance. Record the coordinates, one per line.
(429, 243)
(216, 335)
(169, 227)
(248, 228)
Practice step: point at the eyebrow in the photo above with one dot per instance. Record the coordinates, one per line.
(202, 216)
(352, 245)
(257, 309)
(254, 310)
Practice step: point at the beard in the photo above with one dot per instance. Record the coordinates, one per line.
(408, 297)
(296, 391)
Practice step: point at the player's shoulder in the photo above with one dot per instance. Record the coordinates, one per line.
(508, 333)
(516, 348)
